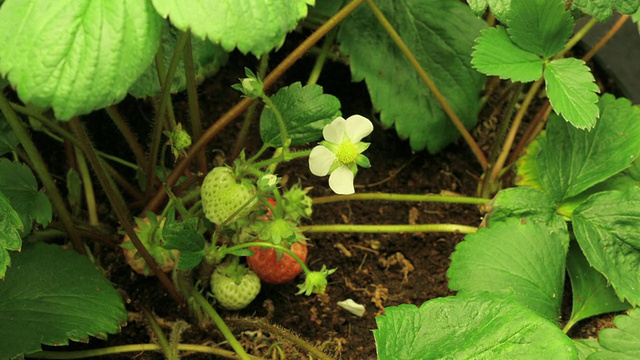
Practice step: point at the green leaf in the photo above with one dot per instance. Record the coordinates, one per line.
(522, 202)
(8, 139)
(256, 26)
(607, 227)
(602, 9)
(522, 256)
(482, 326)
(306, 110)
(499, 8)
(495, 54)
(432, 31)
(207, 58)
(572, 91)
(592, 295)
(542, 27)
(184, 236)
(623, 342)
(76, 55)
(10, 226)
(51, 296)
(19, 185)
(586, 347)
(571, 160)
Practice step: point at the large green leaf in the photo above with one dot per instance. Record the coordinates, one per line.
(602, 9)
(10, 225)
(586, 347)
(305, 110)
(522, 256)
(207, 58)
(496, 54)
(539, 26)
(622, 342)
(592, 295)
(51, 296)
(432, 30)
(256, 26)
(571, 160)
(482, 326)
(572, 90)
(19, 185)
(76, 55)
(522, 202)
(607, 227)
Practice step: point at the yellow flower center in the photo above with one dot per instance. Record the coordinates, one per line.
(347, 152)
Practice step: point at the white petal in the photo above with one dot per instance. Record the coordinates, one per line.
(357, 127)
(352, 307)
(334, 132)
(341, 181)
(320, 160)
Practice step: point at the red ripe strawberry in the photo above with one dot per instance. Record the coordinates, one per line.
(264, 262)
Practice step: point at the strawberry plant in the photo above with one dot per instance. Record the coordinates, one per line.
(221, 214)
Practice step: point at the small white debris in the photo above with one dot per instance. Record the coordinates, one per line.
(352, 307)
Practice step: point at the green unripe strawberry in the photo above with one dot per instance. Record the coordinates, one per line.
(222, 195)
(234, 286)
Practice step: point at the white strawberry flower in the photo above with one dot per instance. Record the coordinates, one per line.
(341, 152)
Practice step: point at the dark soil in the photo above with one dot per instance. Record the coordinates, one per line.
(376, 270)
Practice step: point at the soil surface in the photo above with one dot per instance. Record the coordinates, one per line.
(375, 270)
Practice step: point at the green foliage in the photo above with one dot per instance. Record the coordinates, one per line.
(542, 27)
(478, 326)
(572, 91)
(568, 161)
(499, 8)
(622, 342)
(607, 227)
(231, 25)
(495, 54)
(184, 236)
(433, 33)
(305, 110)
(8, 139)
(521, 202)
(514, 255)
(592, 294)
(602, 9)
(536, 31)
(207, 58)
(19, 185)
(86, 66)
(10, 226)
(51, 296)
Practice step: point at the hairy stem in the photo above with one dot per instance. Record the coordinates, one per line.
(133, 348)
(224, 329)
(422, 228)
(401, 197)
(257, 323)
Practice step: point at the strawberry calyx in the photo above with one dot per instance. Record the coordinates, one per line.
(315, 282)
